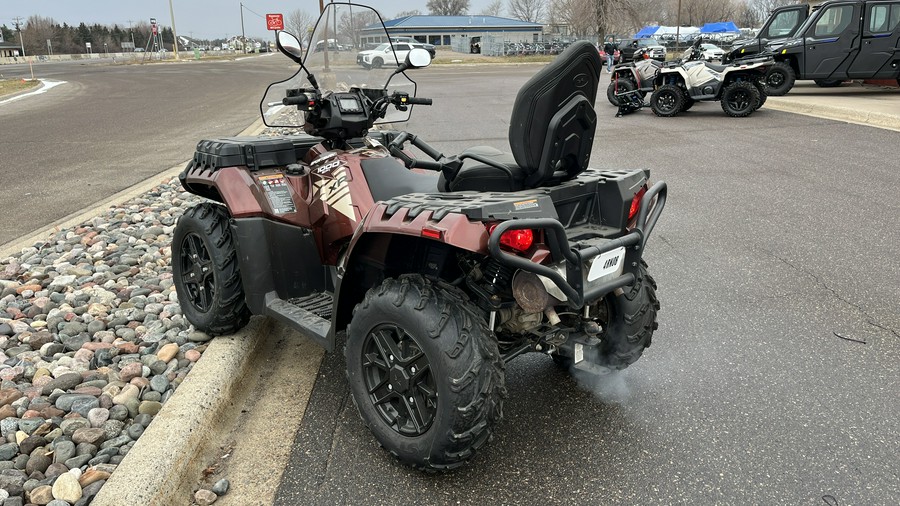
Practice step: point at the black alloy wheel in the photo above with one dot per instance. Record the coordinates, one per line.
(780, 79)
(667, 101)
(399, 379)
(425, 372)
(197, 272)
(206, 271)
(740, 99)
(377, 63)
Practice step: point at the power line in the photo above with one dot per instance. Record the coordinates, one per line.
(260, 15)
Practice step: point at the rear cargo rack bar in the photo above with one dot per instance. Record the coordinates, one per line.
(560, 250)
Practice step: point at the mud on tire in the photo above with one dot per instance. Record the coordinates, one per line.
(206, 273)
(412, 321)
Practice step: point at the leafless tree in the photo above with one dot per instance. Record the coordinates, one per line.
(698, 12)
(37, 31)
(300, 23)
(403, 14)
(579, 15)
(352, 26)
(494, 8)
(448, 7)
(526, 10)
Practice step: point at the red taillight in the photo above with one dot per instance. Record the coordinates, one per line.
(636, 202)
(432, 233)
(519, 240)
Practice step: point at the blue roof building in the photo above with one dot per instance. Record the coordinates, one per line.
(453, 30)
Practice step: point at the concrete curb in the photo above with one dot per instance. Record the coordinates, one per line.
(820, 110)
(169, 456)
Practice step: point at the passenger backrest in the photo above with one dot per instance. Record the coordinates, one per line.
(552, 127)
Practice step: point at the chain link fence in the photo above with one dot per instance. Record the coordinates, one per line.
(504, 44)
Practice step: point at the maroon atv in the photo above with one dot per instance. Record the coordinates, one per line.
(441, 270)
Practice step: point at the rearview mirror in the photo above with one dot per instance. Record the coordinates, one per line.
(418, 58)
(290, 46)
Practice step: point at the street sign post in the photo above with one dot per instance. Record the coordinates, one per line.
(274, 21)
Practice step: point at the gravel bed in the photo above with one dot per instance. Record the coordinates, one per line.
(92, 344)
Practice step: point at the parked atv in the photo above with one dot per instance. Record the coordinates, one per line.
(631, 83)
(739, 87)
(439, 270)
(636, 76)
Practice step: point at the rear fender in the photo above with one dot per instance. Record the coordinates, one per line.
(231, 186)
(390, 244)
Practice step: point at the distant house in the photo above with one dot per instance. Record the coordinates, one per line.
(9, 49)
(452, 30)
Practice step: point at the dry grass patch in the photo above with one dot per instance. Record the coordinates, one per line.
(10, 86)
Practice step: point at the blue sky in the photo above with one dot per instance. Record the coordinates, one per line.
(205, 18)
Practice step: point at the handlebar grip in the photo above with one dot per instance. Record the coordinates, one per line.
(418, 101)
(425, 164)
(295, 100)
(396, 151)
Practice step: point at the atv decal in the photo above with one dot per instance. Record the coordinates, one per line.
(278, 193)
(333, 190)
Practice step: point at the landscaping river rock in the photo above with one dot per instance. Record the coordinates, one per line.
(92, 344)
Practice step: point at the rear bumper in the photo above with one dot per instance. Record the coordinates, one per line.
(576, 258)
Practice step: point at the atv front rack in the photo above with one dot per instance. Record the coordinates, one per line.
(575, 258)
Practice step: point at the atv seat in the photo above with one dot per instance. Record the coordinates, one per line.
(477, 175)
(717, 68)
(388, 179)
(551, 130)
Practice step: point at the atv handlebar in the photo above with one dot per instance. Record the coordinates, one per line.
(396, 149)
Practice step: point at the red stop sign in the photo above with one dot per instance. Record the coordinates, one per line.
(274, 21)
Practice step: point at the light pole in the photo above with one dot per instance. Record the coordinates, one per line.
(174, 35)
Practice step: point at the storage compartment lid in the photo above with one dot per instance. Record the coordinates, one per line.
(254, 152)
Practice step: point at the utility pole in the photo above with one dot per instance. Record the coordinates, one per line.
(678, 27)
(18, 21)
(243, 37)
(174, 35)
(132, 35)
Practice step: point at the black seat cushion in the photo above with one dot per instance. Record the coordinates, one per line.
(717, 68)
(387, 179)
(478, 176)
